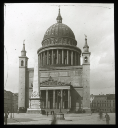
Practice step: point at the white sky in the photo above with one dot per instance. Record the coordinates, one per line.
(30, 22)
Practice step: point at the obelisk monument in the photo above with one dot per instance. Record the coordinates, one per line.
(35, 100)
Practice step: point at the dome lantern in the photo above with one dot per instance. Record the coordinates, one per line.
(59, 18)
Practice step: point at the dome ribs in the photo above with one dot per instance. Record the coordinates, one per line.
(58, 32)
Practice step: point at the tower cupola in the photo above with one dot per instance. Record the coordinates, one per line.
(23, 52)
(86, 47)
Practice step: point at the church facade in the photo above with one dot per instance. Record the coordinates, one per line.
(64, 82)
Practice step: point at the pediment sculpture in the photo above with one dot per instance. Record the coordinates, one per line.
(53, 82)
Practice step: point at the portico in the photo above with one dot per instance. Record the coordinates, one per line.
(50, 99)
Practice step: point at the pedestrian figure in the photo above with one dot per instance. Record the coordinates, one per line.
(47, 113)
(54, 120)
(8, 112)
(107, 118)
(5, 118)
(91, 112)
(100, 114)
(18, 111)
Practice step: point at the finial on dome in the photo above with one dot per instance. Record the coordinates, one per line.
(59, 18)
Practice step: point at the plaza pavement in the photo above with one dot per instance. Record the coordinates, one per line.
(37, 119)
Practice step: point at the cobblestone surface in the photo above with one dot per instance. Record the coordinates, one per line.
(29, 119)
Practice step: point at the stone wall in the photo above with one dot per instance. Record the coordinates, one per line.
(73, 75)
(22, 83)
(86, 86)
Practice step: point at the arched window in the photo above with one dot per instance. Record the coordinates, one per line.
(85, 59)
(22, 63)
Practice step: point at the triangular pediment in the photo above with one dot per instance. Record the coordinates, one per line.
(52, 82)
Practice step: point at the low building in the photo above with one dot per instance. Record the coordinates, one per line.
(15, 102)
(106, 103)
(10, 101)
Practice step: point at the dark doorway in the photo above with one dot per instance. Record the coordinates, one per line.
(51, 103)
(66, 105)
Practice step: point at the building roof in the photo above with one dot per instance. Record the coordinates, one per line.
(57, 32)
(110, 96)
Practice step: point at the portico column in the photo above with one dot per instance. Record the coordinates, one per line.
(47, 57)
(41, 60)
(68, 98)
(67, 57)
(40, 93)
(61, 99)
(71, 57)
(52, 57)
(57, 56)
(53, 99)
(46, 98)
(75, 59)
(62, 56)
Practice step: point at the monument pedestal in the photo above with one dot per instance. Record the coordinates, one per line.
(35, 104)
(87, 110)
(60, 116)
(33, 111)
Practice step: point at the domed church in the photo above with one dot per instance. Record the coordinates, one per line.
(58, 81)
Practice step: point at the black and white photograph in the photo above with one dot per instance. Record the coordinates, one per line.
(59, 64)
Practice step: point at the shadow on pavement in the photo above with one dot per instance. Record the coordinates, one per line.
(16, 120)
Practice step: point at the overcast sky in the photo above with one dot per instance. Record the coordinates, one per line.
(29, 22)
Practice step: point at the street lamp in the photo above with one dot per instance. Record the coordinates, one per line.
(11, 107)
(59, 94)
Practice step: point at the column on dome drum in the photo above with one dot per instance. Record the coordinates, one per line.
(41, 60)
(71, 57)
(67, 57)
(54, 56)
(75, 59)
(57, 55)
(62, 56)
(44, 58)
(50, 51)
(47, 57)
(78, 59)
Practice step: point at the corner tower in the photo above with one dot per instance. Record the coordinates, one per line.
(23, 62)
(86, 76)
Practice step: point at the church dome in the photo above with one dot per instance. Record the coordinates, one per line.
(59, 30)
(59, 33)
